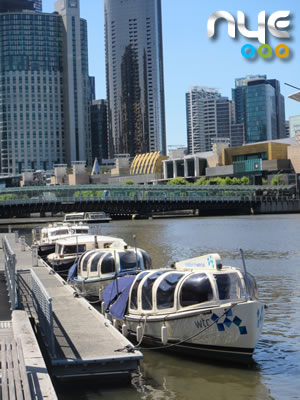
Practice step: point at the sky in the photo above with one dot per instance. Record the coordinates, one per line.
(193, 59)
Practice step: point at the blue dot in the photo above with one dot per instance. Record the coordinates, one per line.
(248, 54)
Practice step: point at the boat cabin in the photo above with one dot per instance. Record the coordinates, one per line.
(184, 288)
(81, 243)
(104, 263)
(53, 232)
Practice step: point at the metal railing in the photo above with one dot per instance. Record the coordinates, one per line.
(42, 304)
(10, 273)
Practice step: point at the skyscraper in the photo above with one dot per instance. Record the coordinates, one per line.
(99, 130)
(76, 81)
(31, 93)
(208, 116)
(259, 105)
(134, 71)
(43, 88)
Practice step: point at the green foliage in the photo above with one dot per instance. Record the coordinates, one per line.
(278, 180)
(264, 181)
(88, 194)
(245, 180)
(177, 181)
(13, 196)
(128, 182)
(202, 181)
(223, 181)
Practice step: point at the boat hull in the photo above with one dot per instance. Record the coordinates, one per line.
(219, 333)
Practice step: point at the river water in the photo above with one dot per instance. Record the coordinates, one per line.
(272, 249)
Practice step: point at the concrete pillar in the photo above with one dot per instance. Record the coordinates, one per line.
(165, 169)
(197, 168)
(185, 168)
(174, 169)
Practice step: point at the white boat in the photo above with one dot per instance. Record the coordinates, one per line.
(199, 307)
(97, 268)
(48, 235)
(67, 250)
(88, 217)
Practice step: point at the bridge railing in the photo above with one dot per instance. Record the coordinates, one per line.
(30, 285)
(10, 272)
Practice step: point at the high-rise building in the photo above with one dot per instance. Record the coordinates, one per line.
(31, 93)
(99, 130)
(20, 5)
(134, 70)
(42, 121)
(208, 117)
(76, 81)
(259, 105)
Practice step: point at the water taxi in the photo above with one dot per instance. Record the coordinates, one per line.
(67, 250)
(46, 237)
(88, 217)
(198, 307)
(97, 268)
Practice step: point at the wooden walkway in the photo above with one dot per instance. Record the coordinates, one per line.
(86, 344)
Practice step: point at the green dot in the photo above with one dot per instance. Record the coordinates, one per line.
(265, 46)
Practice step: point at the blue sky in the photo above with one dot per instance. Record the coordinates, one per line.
(191, 58)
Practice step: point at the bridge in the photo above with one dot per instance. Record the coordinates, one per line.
(144, 199)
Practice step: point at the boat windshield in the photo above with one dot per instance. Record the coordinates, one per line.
(108, 264)
(134, 290)
(73, 217)
(129, 260)
(81, 230)
(166, 290)
(74, 249)
(195, 289)
(229, 286)
(147, 302)
(96, 215)
(59, 232)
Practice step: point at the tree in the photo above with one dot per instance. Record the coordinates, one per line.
(128, 182)
(177, 181)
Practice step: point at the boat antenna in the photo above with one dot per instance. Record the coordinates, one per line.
(246, 274)
(136, 257)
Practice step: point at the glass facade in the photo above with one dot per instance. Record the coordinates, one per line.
(134, 70)
(31, 92)
(260, 107)
(99, 130)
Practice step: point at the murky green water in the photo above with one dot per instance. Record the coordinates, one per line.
(272, 249)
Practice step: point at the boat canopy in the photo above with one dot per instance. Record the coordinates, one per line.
(167, 291)
(100, 262)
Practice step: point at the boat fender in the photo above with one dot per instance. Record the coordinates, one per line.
(124, 330)
(102, 308)
(139, 332)
(164, 334)
(115, 323)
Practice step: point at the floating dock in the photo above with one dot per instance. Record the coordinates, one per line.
(84, 343)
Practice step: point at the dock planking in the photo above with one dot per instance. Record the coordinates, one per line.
(86, 343)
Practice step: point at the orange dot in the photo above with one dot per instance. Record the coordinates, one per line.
(286, 51)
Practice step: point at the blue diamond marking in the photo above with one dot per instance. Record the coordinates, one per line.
(214, 317)
(237, 321)
(243, 330)
(220, 327)
(257, 313)
(227, 322)
(229, 313)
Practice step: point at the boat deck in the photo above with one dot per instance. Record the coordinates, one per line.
(86, 342)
